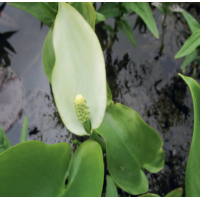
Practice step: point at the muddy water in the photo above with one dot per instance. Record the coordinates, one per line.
(144, 78)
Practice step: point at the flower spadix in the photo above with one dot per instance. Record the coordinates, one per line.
(79, 70)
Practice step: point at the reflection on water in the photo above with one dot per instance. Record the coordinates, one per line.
(143, 78)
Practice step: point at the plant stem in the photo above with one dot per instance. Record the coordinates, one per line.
(94, 136)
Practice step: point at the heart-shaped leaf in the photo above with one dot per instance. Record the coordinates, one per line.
(78, 70)
(192, 176)
(33, 168)
(86, 171)
(130, 146)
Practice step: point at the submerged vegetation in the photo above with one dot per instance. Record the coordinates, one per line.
(118, 139)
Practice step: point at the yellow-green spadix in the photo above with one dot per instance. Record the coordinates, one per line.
(79, 69)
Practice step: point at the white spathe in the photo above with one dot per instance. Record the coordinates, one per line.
(79, 69)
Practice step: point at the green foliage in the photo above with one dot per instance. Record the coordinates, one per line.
(33, 168)
(175, 193)
(190, 45)
(144, 11)
(111, 190)
(34, 9)
(125, 27)
(110, 10)
(4, 141)
(48, 9)
(87, 11)
(109, 95)
(130, 144)
(24, 130)
(189, 59)
(192, 176)
(86, 171)
(48, 55)
(99, 18)
(149, 195)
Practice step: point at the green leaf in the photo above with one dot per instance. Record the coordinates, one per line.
(175, 193)
(48, 9)
(79, 69)
(86, 171)
(190, 45)
(33, 169)
(111, 190)
(192, 176)
(191, 21)
(125, 27)
(24, 130)
(99, 18)
(130, 146)
(87, 11)
(110, 10)
(144, 11)
(149, 195)
(109, 95)
(4, 141)
(48, 56)
(188, 59)
(34, 9)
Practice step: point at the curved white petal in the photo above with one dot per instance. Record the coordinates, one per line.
(79, 69)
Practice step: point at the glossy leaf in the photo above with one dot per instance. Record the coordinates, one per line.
(111, 190)
(175, 193)
(125, 27)
(86, 171)
(188, 59)
(87, 11)
(130, 146)
(144, 11)
(24, 130)
(99, 18)
(4, 141)
(48, 56)
(48, 9)
(110, 10)
(33, 169)
(149, 195)
(192, 176)
(34, 9)
(190, 45)
(77, 70)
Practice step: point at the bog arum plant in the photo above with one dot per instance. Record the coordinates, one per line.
(79, 69)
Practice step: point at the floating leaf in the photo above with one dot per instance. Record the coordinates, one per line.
(87, 11)
(144, 11)
(24, 130)
(192, 176)
(125, 27)
(190, 45)
(33, 169)
(175, 193)
(111, 190)
(188, 59)
(110, 10)
(4, 141)
(86, 171)
(48, 56)
(130, 146)
(77, 70)
(34, 9)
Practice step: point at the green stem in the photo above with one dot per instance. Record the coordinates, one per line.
(94, 136)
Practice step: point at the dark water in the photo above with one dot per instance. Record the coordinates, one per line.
(144, 78)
